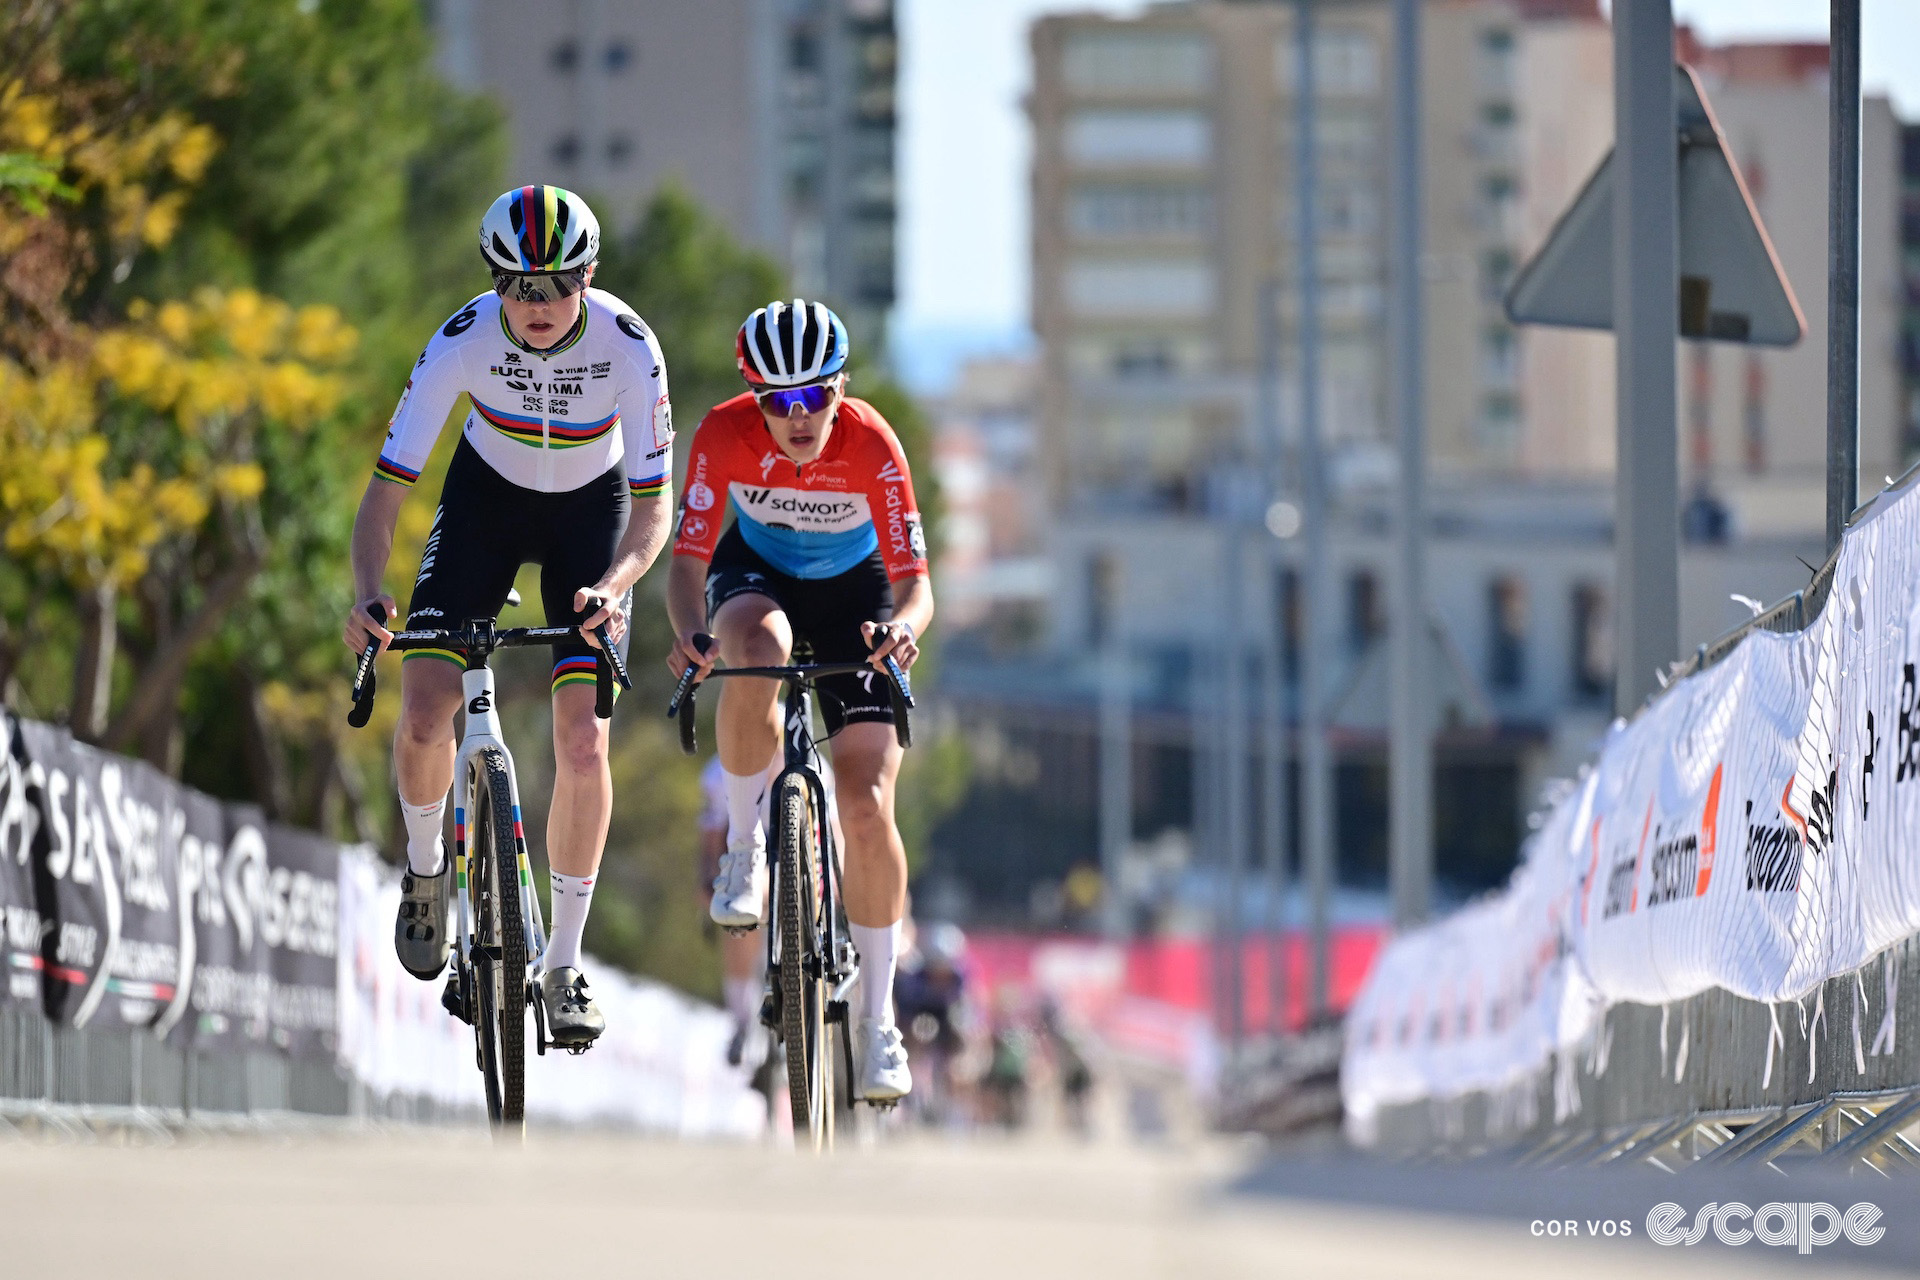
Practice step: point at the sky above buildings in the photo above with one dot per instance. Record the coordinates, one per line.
(964, 151)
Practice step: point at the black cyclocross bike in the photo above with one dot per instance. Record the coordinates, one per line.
(811, 963)
(499, 938)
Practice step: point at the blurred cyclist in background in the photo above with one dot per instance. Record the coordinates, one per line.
(929, 997)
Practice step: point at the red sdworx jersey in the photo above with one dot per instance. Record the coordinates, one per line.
(812, 521)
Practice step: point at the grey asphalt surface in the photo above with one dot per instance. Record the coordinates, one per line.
(429, 1203)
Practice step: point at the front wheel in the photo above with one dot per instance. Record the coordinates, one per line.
(500, 962)
(803, 988)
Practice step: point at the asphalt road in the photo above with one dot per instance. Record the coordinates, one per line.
(432, 1204)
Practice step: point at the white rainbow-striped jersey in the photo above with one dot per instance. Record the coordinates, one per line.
(549, 420)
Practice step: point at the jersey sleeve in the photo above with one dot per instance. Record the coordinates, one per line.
(703, 506)
(896, 516)
(646, 410)
(438, 380)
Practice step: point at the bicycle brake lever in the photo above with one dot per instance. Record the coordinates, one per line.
(363, 676)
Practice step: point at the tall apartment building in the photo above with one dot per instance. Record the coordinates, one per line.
(778, 115)
(1163, 221)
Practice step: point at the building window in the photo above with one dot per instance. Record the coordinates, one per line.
(1346, 63)
(619, 150)
(1364, 618)
(565, 57)
(1499, 358)
(1126, 290)
(1125, 210)
(1106, 139)
(565, 149)
(1496, 272)
(618, 57)
(1137, 62)
(1592, 643)
(1103, 599)
(1507, 633)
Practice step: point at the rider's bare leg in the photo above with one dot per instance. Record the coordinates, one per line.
(423, 753)
(753, 632)
(866, 766)
(577, 822)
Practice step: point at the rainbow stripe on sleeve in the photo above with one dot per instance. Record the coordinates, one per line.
(648, 488)
(387, 469)
(576, 670)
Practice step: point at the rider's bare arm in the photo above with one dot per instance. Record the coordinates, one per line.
(913, 605)
(372, 544)
(647, 529)
(687, 611)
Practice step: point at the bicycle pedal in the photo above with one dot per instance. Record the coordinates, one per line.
(577, 1049)
(452, 999)
(739, 930)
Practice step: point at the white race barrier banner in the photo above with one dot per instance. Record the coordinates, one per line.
(1756, 829)
(661, 1066)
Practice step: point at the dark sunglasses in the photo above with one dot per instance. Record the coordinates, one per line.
(548, 287)
(784, 400)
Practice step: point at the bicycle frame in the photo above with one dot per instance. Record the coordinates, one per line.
(799, 751)
(483, 731)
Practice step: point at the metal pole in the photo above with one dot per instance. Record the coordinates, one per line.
(1116, 761)
(1273, 704)
(1843, 267)
(1234, 794)
(1410, 745)
(1317, 751)
(1645, 309)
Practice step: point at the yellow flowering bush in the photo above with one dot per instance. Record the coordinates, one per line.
(191, 383)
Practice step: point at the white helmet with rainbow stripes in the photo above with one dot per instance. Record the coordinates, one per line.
(541, 239)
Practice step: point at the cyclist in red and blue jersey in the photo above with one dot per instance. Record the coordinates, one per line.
(564, 460)
(824, 547)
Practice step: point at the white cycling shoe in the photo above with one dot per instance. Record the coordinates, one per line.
(881, 1075)
(740, 890)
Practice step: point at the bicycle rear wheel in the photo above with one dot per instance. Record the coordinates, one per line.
(803, 989)
(500, 959)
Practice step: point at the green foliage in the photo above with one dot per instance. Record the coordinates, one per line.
(694, 284)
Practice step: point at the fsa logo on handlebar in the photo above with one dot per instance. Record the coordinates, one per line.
(480, 705)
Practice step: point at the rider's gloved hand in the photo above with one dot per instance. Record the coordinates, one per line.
(606, 608)
(894, 638)
(686, 653)
(361, 627)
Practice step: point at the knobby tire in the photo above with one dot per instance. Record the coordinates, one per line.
(496, 854)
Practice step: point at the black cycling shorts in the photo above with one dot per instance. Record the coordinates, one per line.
(825, 614)
(487, 527)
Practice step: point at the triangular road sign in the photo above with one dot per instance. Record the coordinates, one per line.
(1732, 288)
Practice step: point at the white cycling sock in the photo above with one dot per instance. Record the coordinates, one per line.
(426, 855)
(572, 895)
(877, 948)
(745, 794)
(743, 1000)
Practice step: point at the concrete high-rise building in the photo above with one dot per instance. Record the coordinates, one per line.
(778, 115)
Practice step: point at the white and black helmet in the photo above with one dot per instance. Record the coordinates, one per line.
(791, 344)
(539, 230)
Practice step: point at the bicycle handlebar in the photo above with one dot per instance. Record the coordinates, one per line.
(477, 636)
(899, 689)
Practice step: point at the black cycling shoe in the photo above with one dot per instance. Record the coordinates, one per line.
(573, 1020)
(420, 935)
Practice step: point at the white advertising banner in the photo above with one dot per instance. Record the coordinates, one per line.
(1756, 829)
(660, 1066)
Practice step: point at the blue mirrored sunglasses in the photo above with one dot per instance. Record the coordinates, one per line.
(786, 399)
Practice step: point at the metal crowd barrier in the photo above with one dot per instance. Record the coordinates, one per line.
(67, 1076)
(1713, 1078)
